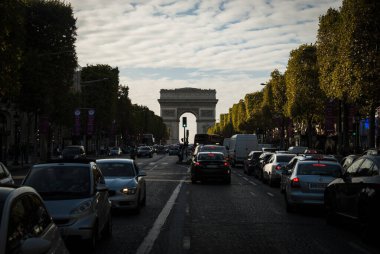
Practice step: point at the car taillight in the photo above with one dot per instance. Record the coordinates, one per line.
(295, 182)
(278, 167)
(197, 164)
(226, 164)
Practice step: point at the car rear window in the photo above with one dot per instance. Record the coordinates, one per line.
(60, 181)
(319, 168)
(284, 158)
(116, 169)
(210, 157)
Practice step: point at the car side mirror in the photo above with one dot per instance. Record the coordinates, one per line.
(142, 173)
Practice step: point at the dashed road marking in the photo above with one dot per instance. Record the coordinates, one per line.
(148, 242)
(253, 183)
(186, 243)
(245, 178)
(155, 166)
(276, 212)
(151, 163)
(270, 194)
(164, 163)
(253, 194)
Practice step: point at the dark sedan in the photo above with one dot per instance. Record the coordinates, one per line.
(144, 151)
(207, 165)
(356, 195)
(252, 163)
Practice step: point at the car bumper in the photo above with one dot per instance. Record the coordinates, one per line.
(124, 201)
(76, 228)
(307, 198)
(222, 174)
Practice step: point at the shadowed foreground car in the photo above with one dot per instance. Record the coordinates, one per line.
(5, 175)
(126, 183)
(26, 226)
(210, 165)
(75, 194)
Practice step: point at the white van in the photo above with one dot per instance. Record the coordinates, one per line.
(240, 146)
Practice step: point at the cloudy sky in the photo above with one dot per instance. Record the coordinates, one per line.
(230, 46)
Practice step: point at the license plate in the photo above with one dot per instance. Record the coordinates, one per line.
(317, 185)
(212, 166)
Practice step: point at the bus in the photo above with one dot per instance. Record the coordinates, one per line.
(208, 139)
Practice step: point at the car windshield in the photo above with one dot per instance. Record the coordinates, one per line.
(71, 151)
(60, 181)
(116, 169)
(210, 157)
(319, 168)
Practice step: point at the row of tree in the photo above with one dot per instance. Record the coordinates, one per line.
(342, 66)
(37, 64)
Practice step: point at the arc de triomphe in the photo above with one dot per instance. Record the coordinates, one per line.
(175, 102)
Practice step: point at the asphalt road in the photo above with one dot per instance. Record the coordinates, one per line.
(244, 217)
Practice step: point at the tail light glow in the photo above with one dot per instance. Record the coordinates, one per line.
(295, 182)
(278, 167)
(226, 164)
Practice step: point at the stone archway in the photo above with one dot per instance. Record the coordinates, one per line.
(199, 102)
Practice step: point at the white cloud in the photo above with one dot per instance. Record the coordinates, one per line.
(232, 38)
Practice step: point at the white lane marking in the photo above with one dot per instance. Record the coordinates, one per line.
(240, 184)
(164, 163)
(356, 246)
(245, 178)
(187, 210)
(253, 194)
(148, 242)
(239, 174)
(186, 242)
(151, 163)
(270, 194)
(253, 183)
(276, 212)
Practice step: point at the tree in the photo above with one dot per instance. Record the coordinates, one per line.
(12, 34)
(305, 99)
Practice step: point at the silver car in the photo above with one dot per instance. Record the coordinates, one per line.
(126, 183)
(272, 170)
(5, 175)
(76, 197)
(307, 182)
(26, 226)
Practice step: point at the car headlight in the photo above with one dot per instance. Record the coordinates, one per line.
(128, 191)
(82, 208)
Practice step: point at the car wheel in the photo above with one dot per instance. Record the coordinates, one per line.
(91, 243)
(227, 180)
(330, 212)
(193, 181)
(136, 210)
(107, 230)
(271, 182)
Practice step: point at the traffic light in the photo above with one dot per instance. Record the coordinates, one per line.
(184, 121)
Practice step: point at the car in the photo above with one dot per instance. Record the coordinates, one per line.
(252, 163)
(288, 169)
(356, 195)
(263, 159)
(214, 148)
(348, 160)
(297, 149)
(73, 152)
(76, 196)
(307, 181)
(144, 151)
(125, 181)
(272, 170)
(5, 175)
(115, 151)
(26, 225)
(210, 165)
(173, 150)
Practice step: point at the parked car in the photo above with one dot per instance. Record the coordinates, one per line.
(356, 195)
(26, 226)
(76, 196)
(144, 151)
(210, 165)
(125, 181)
(73, 152)
(252, 162)
(307, 182)
(272, 170)
(5, 175)
(115, 151)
